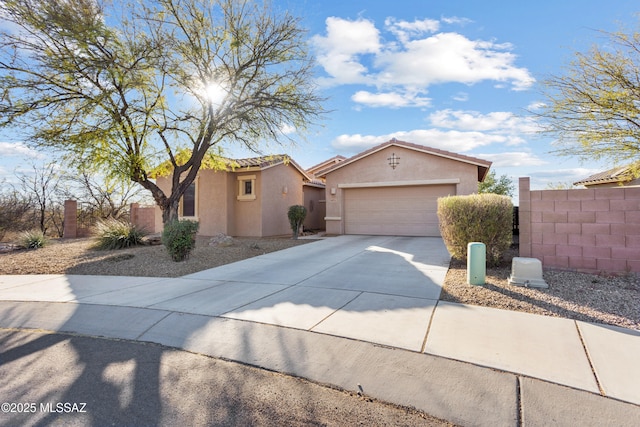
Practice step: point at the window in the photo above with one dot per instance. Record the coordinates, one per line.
(247, 187)
(189, 201)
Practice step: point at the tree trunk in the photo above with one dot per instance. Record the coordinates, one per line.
(170, 211)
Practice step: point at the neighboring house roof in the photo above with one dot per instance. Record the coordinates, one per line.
(314, 170)
(618, 175)
(315, 183)
(483, 165)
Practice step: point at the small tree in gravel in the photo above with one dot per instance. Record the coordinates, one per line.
(296, 215)
(179, 237)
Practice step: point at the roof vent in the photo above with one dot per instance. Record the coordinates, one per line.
(527, 272)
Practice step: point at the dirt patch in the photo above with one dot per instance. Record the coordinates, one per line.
(613, 300)
(77, 256)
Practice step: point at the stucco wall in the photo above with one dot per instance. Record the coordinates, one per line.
(591, 230)
(413, 166)
(277, 199)
(247, 213)
(219, 210)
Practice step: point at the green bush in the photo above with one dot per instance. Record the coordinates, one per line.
(33, 239)
(114, 234)
(486, 218)
(296, 215)
(179, 237)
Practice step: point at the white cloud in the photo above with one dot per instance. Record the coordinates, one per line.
(451, 140)
(390, 99)
(500, 121)
(405, 30)
(287, 129)
(513, 159)
(451, 57)
(339, 50)
(544, 178)
(354, 52)
(459, 131)
(18, 149)
(461, 97)
(535, 106)
(573, 174)
(455, 20)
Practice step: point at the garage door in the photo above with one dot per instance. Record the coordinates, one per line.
(394, 211)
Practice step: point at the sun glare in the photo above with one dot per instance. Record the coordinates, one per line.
(216, 93)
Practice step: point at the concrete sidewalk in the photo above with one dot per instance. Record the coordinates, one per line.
(358, 312)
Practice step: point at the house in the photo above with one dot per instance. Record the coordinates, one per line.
(392, 189)
(628, 176)
(250, 197)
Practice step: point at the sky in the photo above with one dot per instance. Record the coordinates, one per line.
(450, 74)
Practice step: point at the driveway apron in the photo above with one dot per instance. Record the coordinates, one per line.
(373, 288)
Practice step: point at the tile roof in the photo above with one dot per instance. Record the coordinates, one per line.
(314, 182)
(260, 162)
(483, 165)
(619, 174)
(326, 164)
(264, 162)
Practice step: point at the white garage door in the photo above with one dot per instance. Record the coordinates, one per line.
(394, 211)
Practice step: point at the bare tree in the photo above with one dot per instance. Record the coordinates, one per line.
(14, 208)
(105, 197)
(41, 186)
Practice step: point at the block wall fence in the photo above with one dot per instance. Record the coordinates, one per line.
(71, 227)
(141, 216)
(587, 230)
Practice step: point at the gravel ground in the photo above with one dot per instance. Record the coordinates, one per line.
(613, 300)
(600, 299)
(76, 256)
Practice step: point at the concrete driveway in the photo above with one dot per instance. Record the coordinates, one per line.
(377, 289)
(372, 288)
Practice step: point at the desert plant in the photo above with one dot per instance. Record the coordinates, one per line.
(179, 237)
(114, 234)
(296, 215)
(485, 218)
(33, 239)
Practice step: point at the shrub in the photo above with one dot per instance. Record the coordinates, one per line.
(486, 218)
(114, 234)
(179, 237)
(33, 239)
(296, 215)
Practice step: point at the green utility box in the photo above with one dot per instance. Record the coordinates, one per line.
(476, 263)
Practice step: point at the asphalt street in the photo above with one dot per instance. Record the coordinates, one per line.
(71, 380)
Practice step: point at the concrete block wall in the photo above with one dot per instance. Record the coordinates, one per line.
(589, 230)
(143, 217)
(70, 225)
